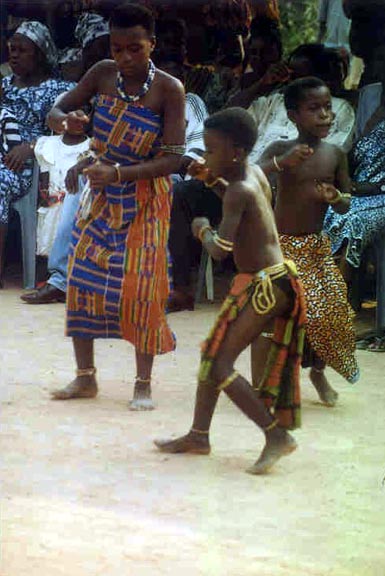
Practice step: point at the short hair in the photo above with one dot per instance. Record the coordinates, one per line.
(129, 15)
(235, 123)
(296, 91)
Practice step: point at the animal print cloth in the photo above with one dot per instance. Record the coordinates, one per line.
(329, 329)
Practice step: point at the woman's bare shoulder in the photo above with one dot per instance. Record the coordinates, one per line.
(167, 82)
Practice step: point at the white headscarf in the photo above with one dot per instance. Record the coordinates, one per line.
(39, 34)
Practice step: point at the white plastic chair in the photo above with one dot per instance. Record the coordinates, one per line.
(26, 207)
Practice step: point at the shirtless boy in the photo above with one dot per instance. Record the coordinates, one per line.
(265, 289)
(311, 175)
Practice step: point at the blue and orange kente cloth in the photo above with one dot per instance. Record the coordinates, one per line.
(118, 281)
(280, 385)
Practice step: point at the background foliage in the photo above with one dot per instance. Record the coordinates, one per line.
(299, 22)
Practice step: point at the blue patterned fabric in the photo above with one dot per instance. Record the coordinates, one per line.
(365, 220)
(30, 106)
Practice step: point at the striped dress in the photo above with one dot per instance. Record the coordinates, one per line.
(9, 180)
(118, 275)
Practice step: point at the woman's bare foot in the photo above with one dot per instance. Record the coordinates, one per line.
(81, 387)
(192, 443)
(326, 393)
(142, 397)
(277, 445)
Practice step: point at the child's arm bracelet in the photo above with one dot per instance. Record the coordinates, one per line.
(202, 232)
(340, 197)
(226, 245)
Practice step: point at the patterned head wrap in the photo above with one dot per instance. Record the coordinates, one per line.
(39, 34)
(89, 27)
(68, 55)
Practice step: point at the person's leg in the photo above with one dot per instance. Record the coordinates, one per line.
(55, 288)
(142, 399)
(191, 198)
(84, 385)
(326, 393)
(58, 258)
(4, 217)
(242, 331)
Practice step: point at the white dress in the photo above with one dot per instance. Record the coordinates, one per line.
(56, 158)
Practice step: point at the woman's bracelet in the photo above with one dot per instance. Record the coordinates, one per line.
(277, 166)
(118, 173)
(202, 232)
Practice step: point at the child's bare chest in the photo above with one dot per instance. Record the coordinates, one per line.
(319, 167)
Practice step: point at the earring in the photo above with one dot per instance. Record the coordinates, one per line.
(235, 159)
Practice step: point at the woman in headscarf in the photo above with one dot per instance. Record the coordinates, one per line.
(93, 35)
(29, 93)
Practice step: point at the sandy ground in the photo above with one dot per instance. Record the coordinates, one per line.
(85, 494)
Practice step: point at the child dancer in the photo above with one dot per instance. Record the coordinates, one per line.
(312, 175)
(265, 289)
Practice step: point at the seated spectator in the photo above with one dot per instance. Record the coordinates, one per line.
(91, 34)
(264, 70)
(367, 38)
(29, 93)
(353, 232)
(269, 111)
(215, 52)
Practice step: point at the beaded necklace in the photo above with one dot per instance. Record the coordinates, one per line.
(144, 89)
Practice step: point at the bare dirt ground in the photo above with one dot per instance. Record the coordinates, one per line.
(84, 493)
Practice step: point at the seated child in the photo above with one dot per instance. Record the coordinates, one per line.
(9, 180)
(265, 289)
(55, 155)
(311, 176)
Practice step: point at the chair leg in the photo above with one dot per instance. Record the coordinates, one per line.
(380, 310)
(28, 235)
(205, 277)
(201, 275)
(209, 279)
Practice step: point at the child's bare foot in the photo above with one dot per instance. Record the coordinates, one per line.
(192, 443)
(276, 446)
(326, 393)
(142, 397)
(81, 387)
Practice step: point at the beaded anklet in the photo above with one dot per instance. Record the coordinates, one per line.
(86, 371)
(271, 426)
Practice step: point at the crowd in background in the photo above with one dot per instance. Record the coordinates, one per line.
(227, 53)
